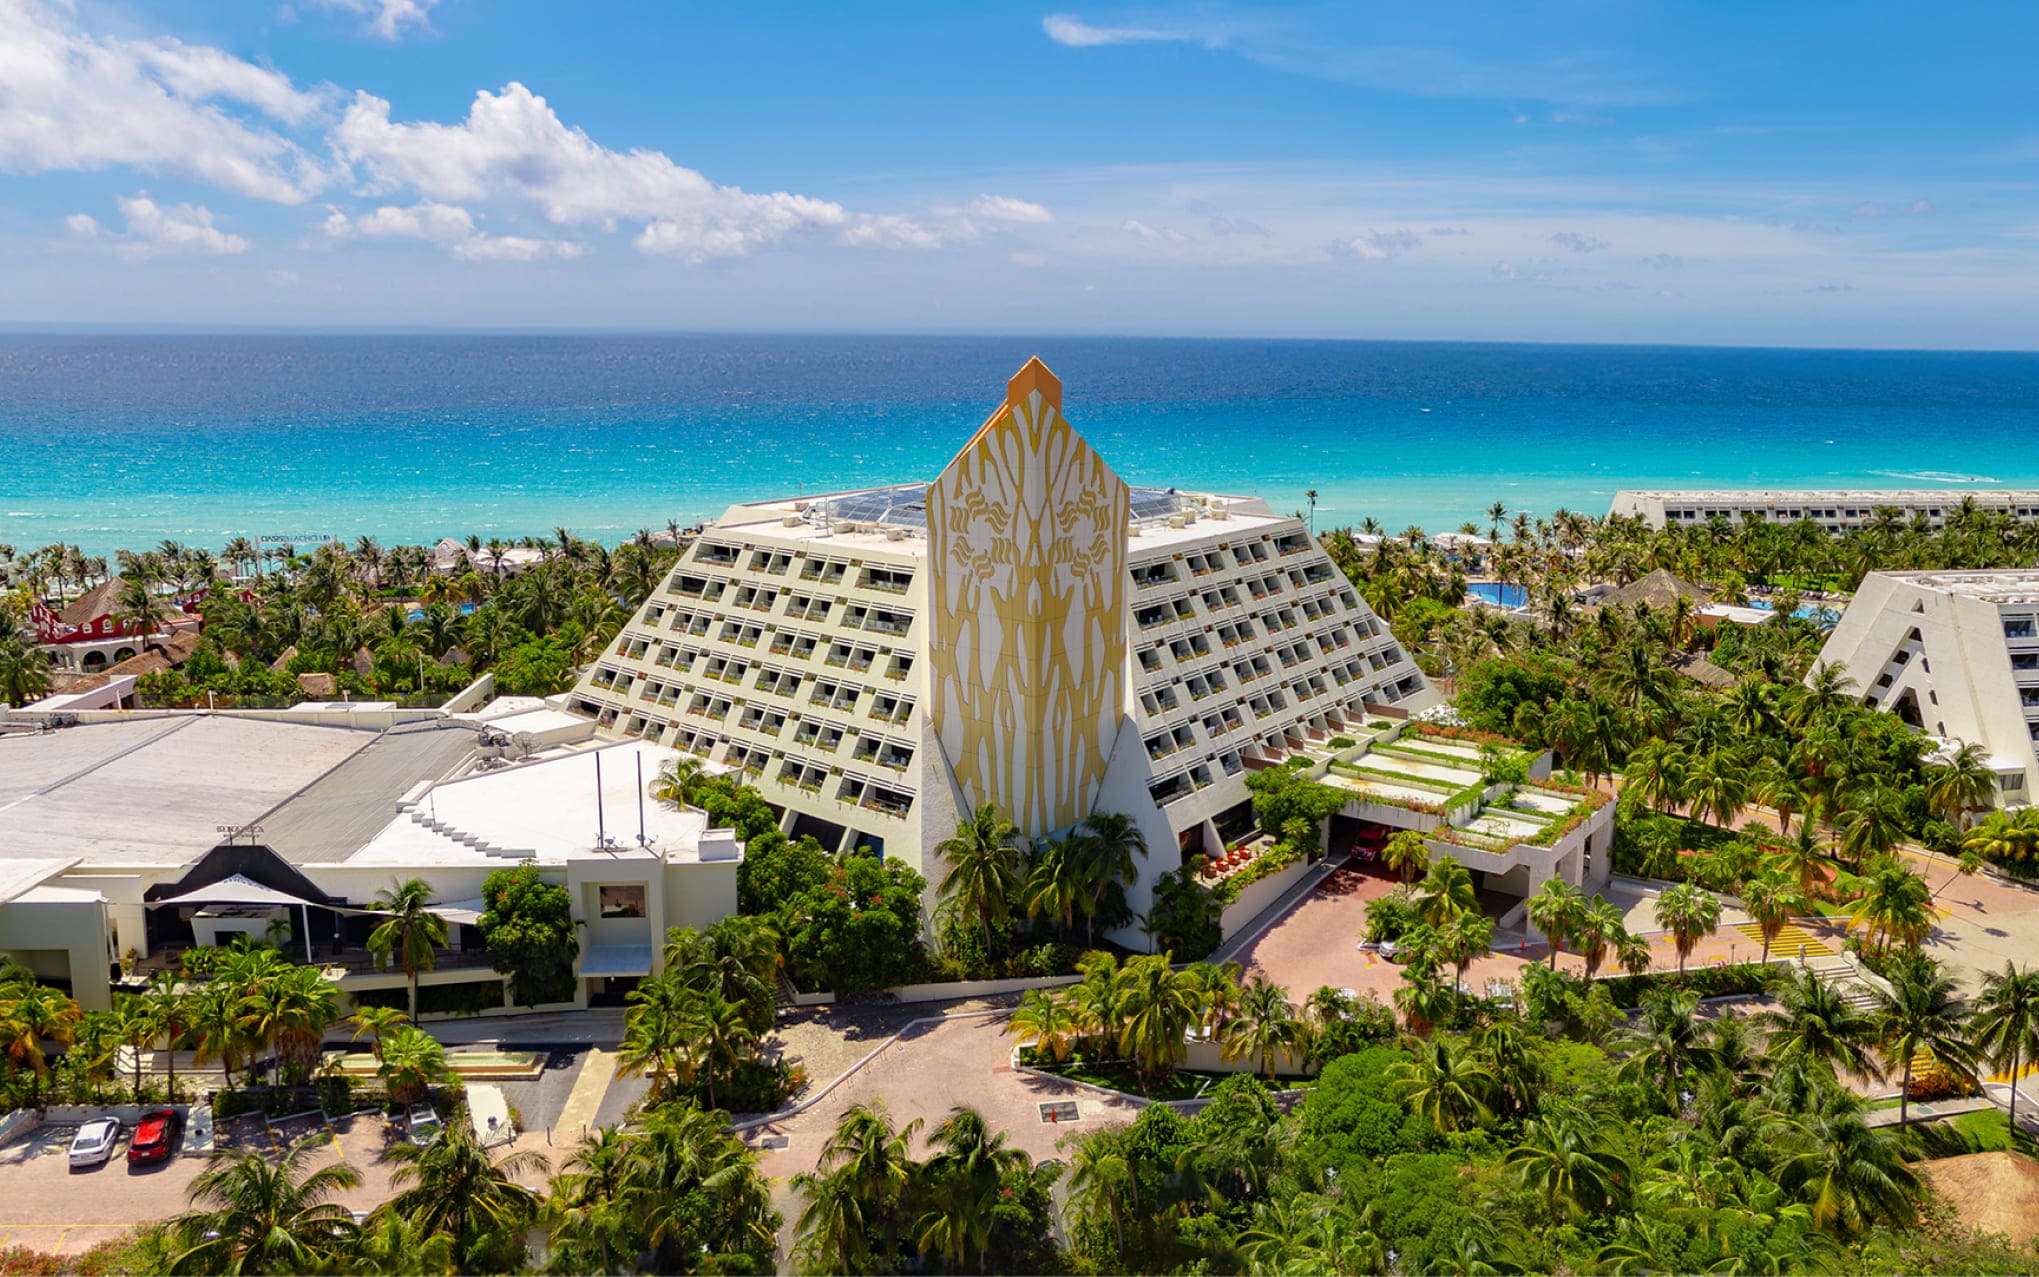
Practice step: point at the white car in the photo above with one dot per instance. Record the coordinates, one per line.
(95, 1141)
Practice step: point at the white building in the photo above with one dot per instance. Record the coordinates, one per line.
(1955, 654)
(142, 833)
(1027, 630)
(1834, 510)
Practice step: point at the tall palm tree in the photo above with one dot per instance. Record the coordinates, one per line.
(1103, 1187)
(716, 1037)
(289, 1013)
(1959, 784)
(983, 872)
(251, 1216)
(1156, 1006)
(1557, 910)
(1567, 1156)
(454, 1186)
(1874, 825)
(1445, 893)
(856, 1192)
(413, 933)
(1110, 845)
(412, 1060)
(1846, 1174)
(170, 1010)
(1717, 787)
(1895, 904)
(1814, 1024)
(1690, 914)
(1666, 1046)
(1656, 773)
(1602, 929)
(1265, 1026)
(2005, 1023)
(1919, 1014)
(1772, 899)
(962, 1185)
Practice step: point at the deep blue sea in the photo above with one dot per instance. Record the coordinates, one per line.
(112, 441)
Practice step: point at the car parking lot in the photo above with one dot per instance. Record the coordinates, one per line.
(48, 1205)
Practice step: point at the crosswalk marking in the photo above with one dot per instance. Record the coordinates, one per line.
(1789, 940)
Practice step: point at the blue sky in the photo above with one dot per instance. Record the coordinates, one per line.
(1807, 174)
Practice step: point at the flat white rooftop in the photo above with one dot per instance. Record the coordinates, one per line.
(154, 791)
(1872, 496)
(551, 809)
(2007, 585)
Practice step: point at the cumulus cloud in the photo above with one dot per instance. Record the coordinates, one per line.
(1377, 246)
(891, 231)
(1004, 208)
(446, 224)
(1574, 242)
(513, 145)
(75, 102)
(386, 19)
(153, 230)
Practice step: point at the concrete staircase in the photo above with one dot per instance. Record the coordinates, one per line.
(421, 816)
(1854, 985)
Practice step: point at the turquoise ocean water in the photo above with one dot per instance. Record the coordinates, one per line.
(112, 441)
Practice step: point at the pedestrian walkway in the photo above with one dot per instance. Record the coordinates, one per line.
(577, 1115)
(1792, 939)
(1920, 1111)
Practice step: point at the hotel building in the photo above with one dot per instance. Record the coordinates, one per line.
(1955, 654)
(1835, 510)
(1027, 630)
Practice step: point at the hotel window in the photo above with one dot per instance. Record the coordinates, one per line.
(622, 900)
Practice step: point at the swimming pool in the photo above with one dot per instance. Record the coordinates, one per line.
(1809, 612)
(1497, 593)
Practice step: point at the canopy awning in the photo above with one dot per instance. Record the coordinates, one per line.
(237, 889)
(465, 912)
(616, 960)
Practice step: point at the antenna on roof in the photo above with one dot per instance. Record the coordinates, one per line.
(601, 827)
(640, 800)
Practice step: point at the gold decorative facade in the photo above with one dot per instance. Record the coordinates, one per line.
(1027, 560)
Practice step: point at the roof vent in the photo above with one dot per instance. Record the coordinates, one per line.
(791, 521)
(895, 534)
(1178, 521)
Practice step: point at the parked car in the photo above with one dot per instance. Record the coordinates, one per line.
(424, 1124)
(95, 1141)
(156, 1136)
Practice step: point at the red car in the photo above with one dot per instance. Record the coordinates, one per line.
(156, 1136)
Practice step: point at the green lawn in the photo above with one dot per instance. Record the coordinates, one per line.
(1989, 1130)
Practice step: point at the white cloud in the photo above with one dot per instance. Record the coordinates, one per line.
(1004, 208)
(72, 102)
(1152, 234)
(891, 231)
(1377, 246)
(387, 19)
(513, 145)
(1573, 241)
(1068, 29)
(154, 230)
(446, 224)
(1917, 208)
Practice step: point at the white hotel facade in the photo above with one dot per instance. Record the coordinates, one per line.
(1955, 654)
(1833, 510)
(1027, 630)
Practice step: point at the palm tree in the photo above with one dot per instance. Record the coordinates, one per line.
(136, 1029)
(1874, 826)
(412, 1060)
(1772, 899)
(1266, 1026)
(1446, 892)
(377, 1023)
(655, 1034)
(1047, 1019)
(1655, 772)
(983, 872)
(1717, 786)
(1666, 1046)
(1959, 784)
(289, 1012)
(1919, 1014)
(1602, 929)
(855, 1192)
(1689, 914)
(215, 1021)
(1103, 1188)
(453, 1186)
(1556, 910)
(1895, 904)
(1445, 1084)
(252, 1216)
(676, 780)
(962, 1184)
(169, 1009)
(2005, 1023)
(1814, 1024)
(30, 1015)
(715, 1037)
(1156, 1006)
(412, 934)
(1846, 1174)
(1406, 853)
(1566, 1156)
(1110, 843)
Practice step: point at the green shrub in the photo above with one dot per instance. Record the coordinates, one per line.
(470, 998)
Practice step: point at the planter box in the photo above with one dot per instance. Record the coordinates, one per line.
(1259, 895)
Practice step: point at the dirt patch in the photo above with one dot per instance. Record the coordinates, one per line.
(1995, 1192)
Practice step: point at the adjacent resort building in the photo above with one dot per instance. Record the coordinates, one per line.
(1955, 654)
(1029, 631)
(1835, 510)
